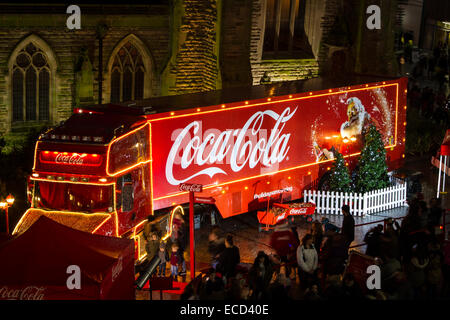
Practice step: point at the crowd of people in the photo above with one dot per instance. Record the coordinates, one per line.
(409, 255)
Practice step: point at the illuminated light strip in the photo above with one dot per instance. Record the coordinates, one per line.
(35, 152)
(277, 101)
(101, 224)
(396, 113)
(262, 175)
(117, 223)
(151, 167)
(74, 182)
(120, 138)
(34, 210)
(168, 234)
(129, 168)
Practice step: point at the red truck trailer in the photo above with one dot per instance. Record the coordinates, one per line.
(108, 167)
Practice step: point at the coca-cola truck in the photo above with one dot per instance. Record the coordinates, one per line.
(108, 167)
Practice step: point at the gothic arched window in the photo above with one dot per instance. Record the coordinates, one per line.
(127, 74)
(30, 85)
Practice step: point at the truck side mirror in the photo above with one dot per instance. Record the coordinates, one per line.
(127, 197)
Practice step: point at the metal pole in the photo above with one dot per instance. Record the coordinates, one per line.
(444, 173)
(191, 233)
(7, 221)
(439, 176)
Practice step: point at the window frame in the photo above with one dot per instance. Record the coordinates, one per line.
(37, 96)
(136, 65)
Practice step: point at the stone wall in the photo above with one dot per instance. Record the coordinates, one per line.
(66, 46)
(194, 65)
(278, 70)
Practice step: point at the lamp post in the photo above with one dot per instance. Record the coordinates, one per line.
(5, 205)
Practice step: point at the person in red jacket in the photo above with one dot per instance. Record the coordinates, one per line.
(284, 242)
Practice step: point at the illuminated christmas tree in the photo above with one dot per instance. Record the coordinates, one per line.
(372, 172)
(340, 178)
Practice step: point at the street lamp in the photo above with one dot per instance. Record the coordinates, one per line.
(10, 200)
(5, 205)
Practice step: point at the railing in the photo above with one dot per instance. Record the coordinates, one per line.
(330, 202)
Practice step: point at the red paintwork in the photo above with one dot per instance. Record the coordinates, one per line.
(233, 191)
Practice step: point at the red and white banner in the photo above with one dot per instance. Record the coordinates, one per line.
(226, 145)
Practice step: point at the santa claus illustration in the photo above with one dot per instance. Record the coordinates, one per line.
(358, 119)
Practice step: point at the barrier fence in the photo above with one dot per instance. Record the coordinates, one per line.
(330, 202)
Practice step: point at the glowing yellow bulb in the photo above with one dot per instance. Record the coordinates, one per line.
(198, 109)
(172, 113)
(246, 188)
(309, 172)
(289, 178)
(404, 123)
(246, 102)
(328, 168)
(223, 191)
(223, 106)
(290, 96)
(269, 99)
(330, 90)
(405, 107)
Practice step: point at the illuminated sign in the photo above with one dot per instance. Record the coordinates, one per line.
(70, 158)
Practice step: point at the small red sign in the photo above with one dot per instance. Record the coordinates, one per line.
(191, 187)
(209, 200)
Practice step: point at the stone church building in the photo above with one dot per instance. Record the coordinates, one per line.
(131, 51)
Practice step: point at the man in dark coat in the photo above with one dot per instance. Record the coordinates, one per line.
(229, 258)
(348, 225)
(216, 246)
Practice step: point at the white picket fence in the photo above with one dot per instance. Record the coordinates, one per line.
(328, 202)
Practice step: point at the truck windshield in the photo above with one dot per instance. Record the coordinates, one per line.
(74, 197)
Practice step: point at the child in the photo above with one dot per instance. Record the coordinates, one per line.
(164, 257)
(174, 260)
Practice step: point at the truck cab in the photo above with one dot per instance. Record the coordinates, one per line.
(92, 173)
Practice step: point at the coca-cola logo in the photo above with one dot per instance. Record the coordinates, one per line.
(73, 158)
(249, 149)
(191, 187)
(27, 293)
(297, 211)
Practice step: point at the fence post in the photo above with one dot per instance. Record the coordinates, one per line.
(327, 202)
